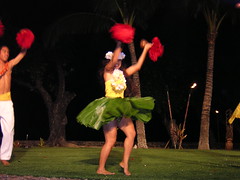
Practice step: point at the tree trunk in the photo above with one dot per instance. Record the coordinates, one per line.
(57, 123)
(140, 128)
(57, 110)
(57, 127)
(205, 116)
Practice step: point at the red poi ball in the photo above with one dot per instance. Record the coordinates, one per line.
(237, 5)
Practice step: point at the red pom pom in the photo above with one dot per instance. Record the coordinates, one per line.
(25, 38)
(1, 29)
(122, 32)
(156, 50)
(237, 5)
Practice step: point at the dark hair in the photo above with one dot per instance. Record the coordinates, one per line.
(3, 45)
(101, 71)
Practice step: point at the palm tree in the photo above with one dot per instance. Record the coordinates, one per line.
(214, 21)
(131, 12)
(211, 11)
(140, 128)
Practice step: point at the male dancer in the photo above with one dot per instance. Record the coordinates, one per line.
(6, 104)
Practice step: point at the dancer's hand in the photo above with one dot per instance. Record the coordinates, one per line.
(148, 46)
(145, 44)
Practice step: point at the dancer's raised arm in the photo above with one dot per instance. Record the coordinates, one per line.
(136, 67)
(17, 59)
(111, 65)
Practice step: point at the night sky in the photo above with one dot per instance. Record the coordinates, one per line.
(183, 62)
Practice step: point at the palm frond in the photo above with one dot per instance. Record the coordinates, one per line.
(212, 19)
(131, 11)
(120, 10)
(77, 23)
(105, 14)
(220, 21)
(132, 18)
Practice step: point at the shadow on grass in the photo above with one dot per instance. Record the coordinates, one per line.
(21, 153)
(113, 159)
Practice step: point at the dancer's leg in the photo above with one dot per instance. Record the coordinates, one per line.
(7, 127)
(127, 126)
(110, 133)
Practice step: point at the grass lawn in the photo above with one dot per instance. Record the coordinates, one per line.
(145, 164)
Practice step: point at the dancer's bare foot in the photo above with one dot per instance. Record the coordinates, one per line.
(127, 173)
(125, 170)
(105, 172)
(5, 162)
(121, 164)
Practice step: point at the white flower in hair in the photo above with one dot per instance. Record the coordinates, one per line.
(121, 56)
(109, 55)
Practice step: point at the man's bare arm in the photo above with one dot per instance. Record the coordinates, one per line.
(18, 58)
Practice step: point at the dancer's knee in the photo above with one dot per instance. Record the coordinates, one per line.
(130, 133)
(110, 142)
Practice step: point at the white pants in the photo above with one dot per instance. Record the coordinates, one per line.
(7, 126)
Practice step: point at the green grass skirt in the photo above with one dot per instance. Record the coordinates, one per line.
(103, 110)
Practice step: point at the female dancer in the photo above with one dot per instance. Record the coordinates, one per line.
(114, 111)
